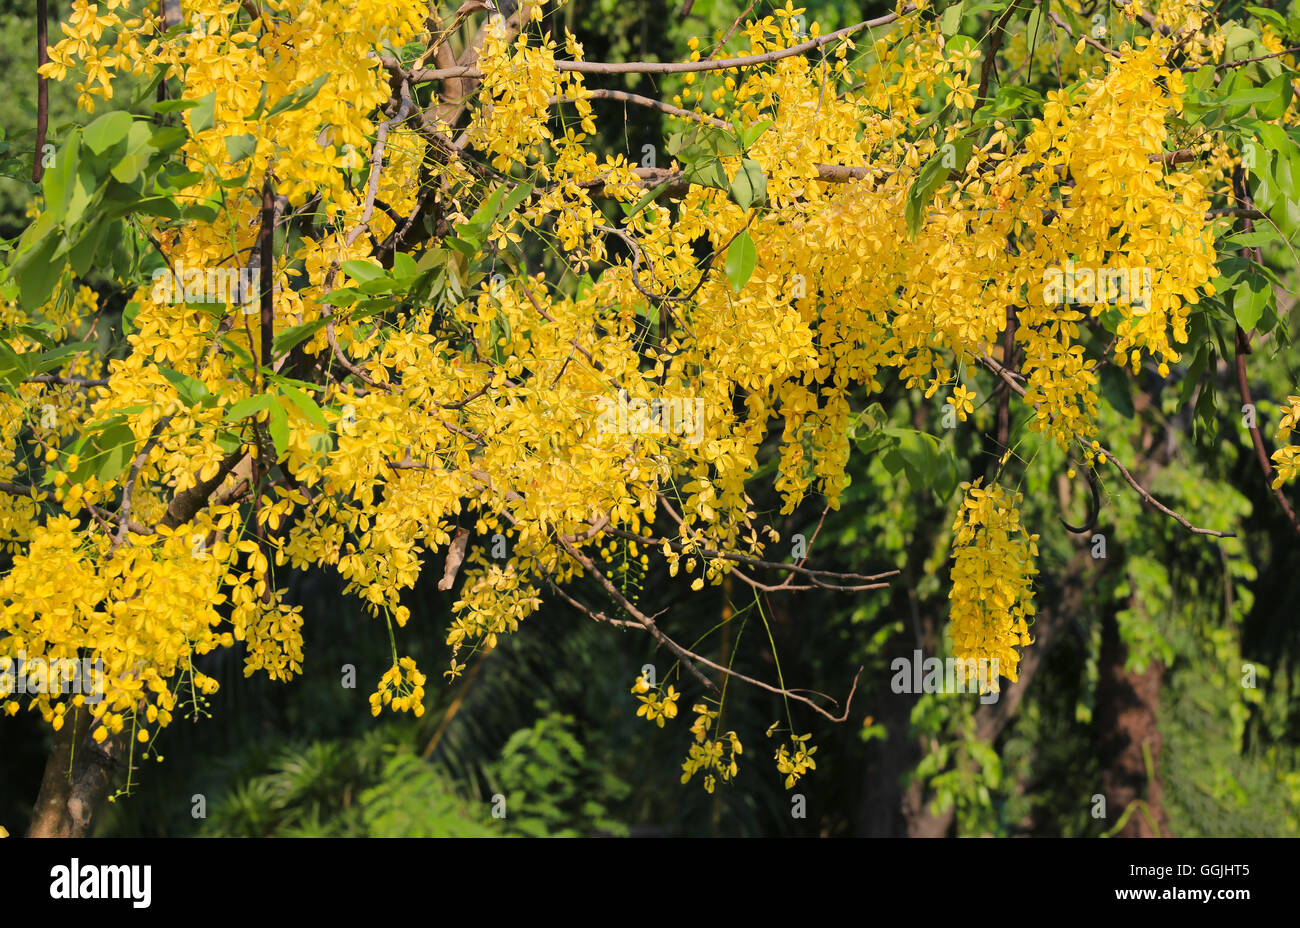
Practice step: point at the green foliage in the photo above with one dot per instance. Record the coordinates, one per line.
(552, 787)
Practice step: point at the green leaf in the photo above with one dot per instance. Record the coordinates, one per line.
(37, 272)
(172, 106)
(514, 198)
(261, 104)
(190, 390)
(705, 143)
(749, 186)
(128, 317)
(927, 462)
(293, 336)
(278, 426)
(1262, 236)
(118, 448)
(1037, 26)
(950, 21)
(158, 206)
(1248, 303)
(57, 182)
(646, 200)
(106, 131)
(306, 404)
(103, 450)
(1272, 17)
(49, 359)
(13, 366)
(138, 153)
(742, 258)
(298, 99)
(404, 266)
(247, 406)
(363, 271)
(203, 116)
(168, 139)
(928, 180)
(82, 255)
(240, 147)
(755, 132)
(85, 190)
(707, 172)
(344, 296)
(1279, 91)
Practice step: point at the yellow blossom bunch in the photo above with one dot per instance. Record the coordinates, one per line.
(655, 707)
(716, 756)
(795, 759)
(1287, 456)
(496, 401)
(961, 401)
(992, 574)
(400, 688)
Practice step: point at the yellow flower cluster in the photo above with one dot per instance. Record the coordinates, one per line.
(655, 707)
(144, 613)
(795, 759)
(483, 409)
(716, 756)
(961, 401)
(514, 104)
(1287, 457)
(401, 688)
(992, 597)
(493, 602)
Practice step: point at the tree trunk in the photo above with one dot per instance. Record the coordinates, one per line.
(992, 718)
(76, 781)
(1127, 704)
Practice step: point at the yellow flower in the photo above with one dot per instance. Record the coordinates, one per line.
(962, 401)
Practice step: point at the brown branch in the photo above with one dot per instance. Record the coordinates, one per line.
(65, 380)
(690, 658)
(42, 89)
(1234, 211)
(812, 574)
(128, 491)
(1244, 61)
(1087, 38)
(1241, 348)
(996, 35)
(266, 248)
(664, 67)
(1010, 380)
(624, 97)
(184, 505)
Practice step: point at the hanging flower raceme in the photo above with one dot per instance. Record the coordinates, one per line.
(1287, 457)
(993, 566)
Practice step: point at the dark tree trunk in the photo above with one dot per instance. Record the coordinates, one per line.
(1127, 730)
(78, 776)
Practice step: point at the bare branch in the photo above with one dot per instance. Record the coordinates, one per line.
(665, 67)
